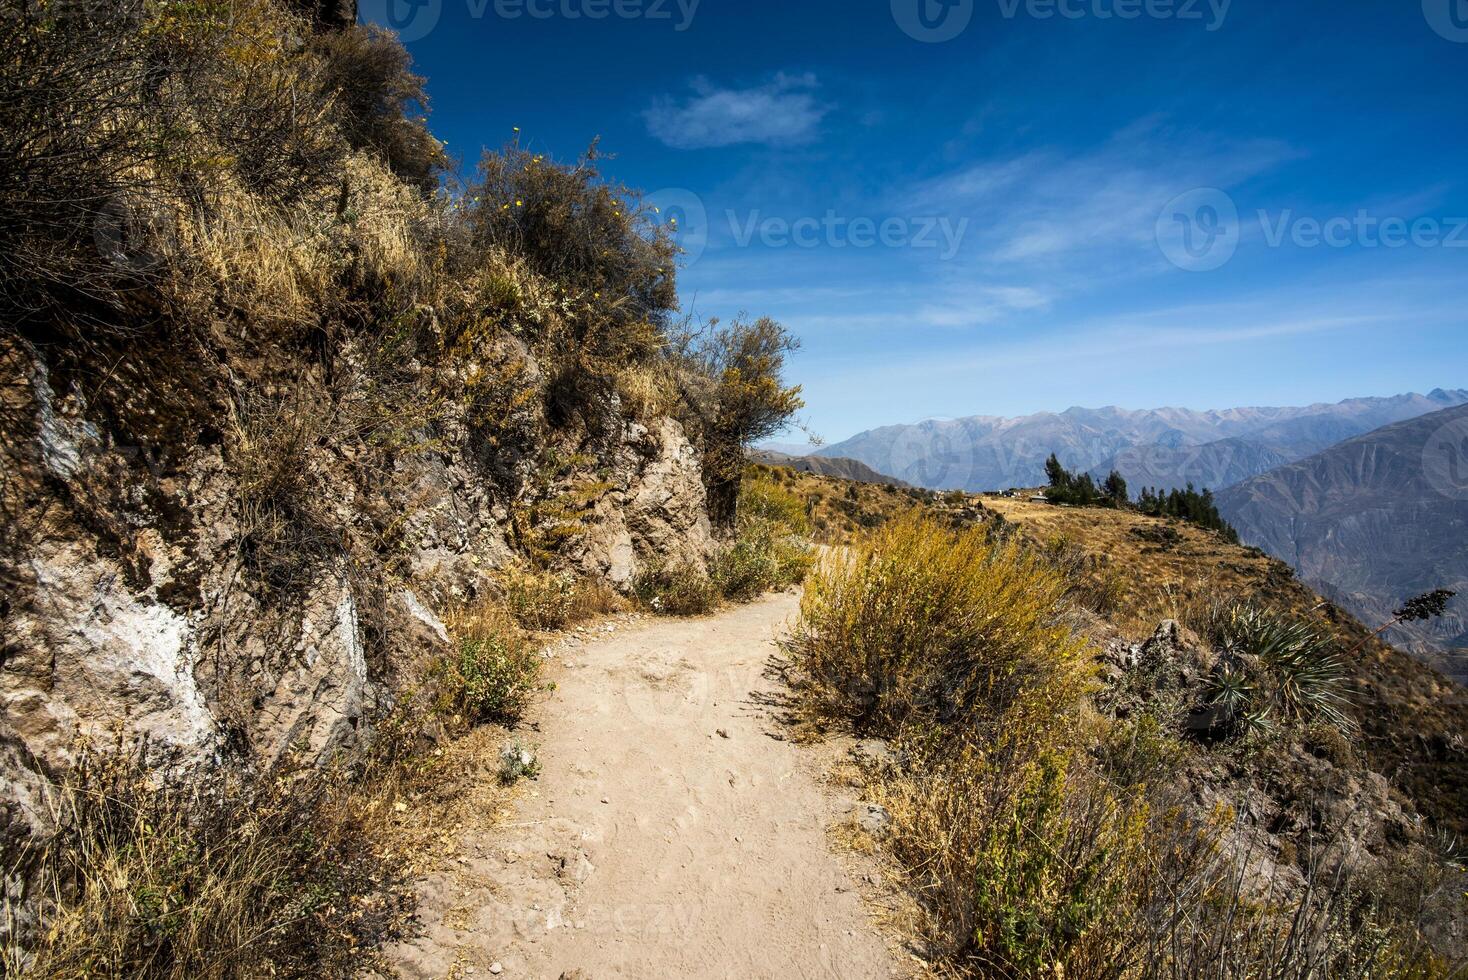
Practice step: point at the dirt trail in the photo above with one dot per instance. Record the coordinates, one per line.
(673, 833)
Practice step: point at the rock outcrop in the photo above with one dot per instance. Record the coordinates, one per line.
(137, 603)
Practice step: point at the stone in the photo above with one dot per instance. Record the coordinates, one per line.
(874, 819)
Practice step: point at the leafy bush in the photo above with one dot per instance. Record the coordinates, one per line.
(518, 762)
(493, 673)
(676, 590)
(765, 556)
(771, 549)
(734, 394)
(761, 496)
(917, 623)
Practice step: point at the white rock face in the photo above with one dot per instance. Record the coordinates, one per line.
(95, 658)
(317, 704)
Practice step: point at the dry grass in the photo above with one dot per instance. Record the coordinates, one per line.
(227, 874)
(547, 601)
(1039, 838)
(916, 624)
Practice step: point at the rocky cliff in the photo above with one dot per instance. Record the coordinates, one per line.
(155, 590)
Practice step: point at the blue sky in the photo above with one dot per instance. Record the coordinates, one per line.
(1034, 212)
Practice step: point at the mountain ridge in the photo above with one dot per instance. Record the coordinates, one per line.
(1164, 447)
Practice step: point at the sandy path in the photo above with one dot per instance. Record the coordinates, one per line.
(653, 846)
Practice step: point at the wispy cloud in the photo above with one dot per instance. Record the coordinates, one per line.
(1049, 204)
(784, 111)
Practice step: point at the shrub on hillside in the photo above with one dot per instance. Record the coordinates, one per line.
(771, 547)
(542, 600)
(381, 105)
(917, 623)
(676, 590)
(1275, 670)
(492, 674)
(1038, 839)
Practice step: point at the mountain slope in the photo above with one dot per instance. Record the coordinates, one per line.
(1213, 464)
(988, 453)
(1372, 521)
(843, 469)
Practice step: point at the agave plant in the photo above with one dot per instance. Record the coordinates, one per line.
(1276, 667)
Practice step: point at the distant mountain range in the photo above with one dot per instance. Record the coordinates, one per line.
(1165, 447)
(846, 469)
(1373, 521)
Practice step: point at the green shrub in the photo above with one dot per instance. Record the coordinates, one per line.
(517, 762)
(1276, 670)
(761, 497)
(676, 590)
(764, 557)
(494, 671)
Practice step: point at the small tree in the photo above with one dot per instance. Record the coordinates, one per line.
(1115, 489)
(1056, 474)
(731, 379)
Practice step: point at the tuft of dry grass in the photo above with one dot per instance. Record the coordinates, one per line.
(547, 601)
(225, 874)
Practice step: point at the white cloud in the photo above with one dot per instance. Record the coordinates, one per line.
(785, 111)
(1047, 204)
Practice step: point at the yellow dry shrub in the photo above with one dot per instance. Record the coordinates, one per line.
(916, 623)
(386, 224)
